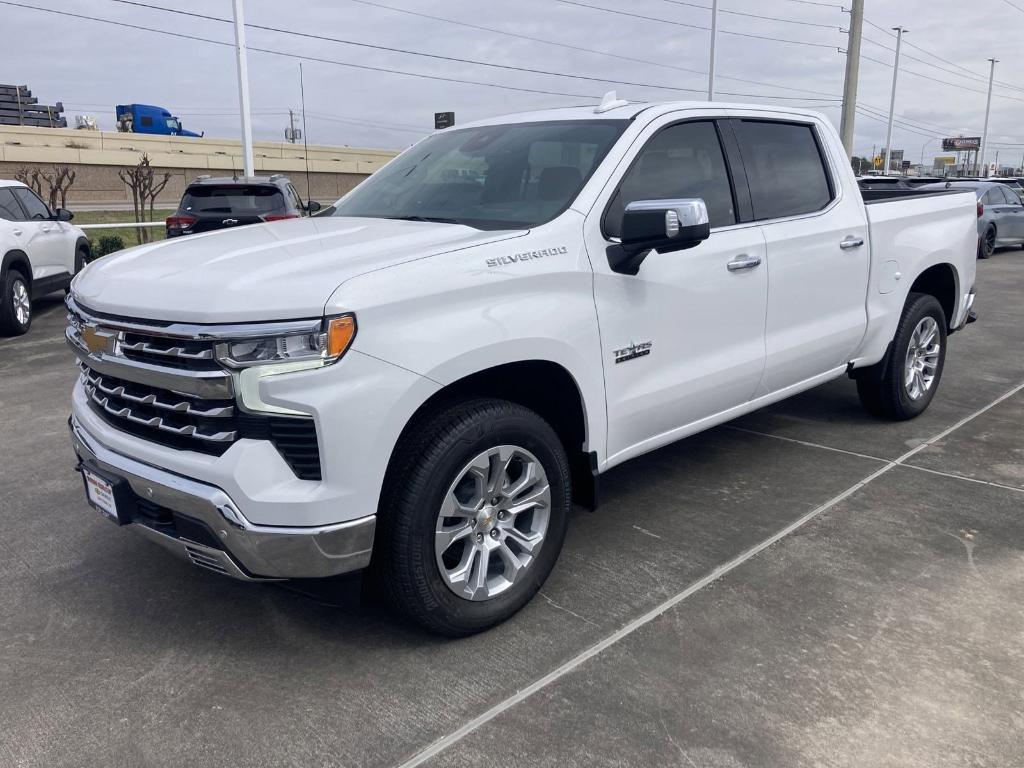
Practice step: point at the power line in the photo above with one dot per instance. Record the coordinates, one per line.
(943, 82)
(581, 48)
(323, 60)
(326, 38)
(754, 15)
(295, 55)
(693, 26)
(391, 49)
(1014, 5)
(981, 78)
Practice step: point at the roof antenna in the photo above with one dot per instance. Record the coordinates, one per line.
(610, 101)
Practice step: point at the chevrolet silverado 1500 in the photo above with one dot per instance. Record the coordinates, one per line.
(422, 380)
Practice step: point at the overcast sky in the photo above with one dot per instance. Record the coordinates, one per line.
(92, 66)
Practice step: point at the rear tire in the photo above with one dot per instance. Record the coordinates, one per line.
(15, 304)
(987, 244)
(903, 384)
(459, 548)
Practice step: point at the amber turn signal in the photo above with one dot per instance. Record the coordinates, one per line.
(340, 332)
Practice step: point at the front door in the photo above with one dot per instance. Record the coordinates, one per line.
(42, 236)
(682, 340)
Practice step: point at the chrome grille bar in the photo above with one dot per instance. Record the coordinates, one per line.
(181, 352)
(184, 406)
(156, 422)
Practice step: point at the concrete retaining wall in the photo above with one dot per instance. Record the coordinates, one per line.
(96, 157)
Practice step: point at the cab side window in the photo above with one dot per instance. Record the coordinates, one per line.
(785, 168)
(9, 208)
(683, 160)
(36, 208)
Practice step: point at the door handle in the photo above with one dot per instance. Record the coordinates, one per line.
(743, 262)
(17, 232)
(851, 242)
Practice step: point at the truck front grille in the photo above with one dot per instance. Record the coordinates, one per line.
(170, 390)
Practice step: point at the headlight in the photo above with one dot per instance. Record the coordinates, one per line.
(322, 346)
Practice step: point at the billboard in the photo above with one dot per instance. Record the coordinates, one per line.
(961, 144)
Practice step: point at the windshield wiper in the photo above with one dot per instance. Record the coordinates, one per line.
(435, 219)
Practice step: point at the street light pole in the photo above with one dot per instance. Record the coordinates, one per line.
(243, 87)
(988, 108)
(852, 73)
(892, 99)
(714, 36)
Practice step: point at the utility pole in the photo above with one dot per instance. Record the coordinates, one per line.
(892, 99)
(714, 35)
(988, 108)
(291, 127)
(852, 74)
(243, 87)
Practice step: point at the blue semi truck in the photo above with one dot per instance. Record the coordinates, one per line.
(144, 118)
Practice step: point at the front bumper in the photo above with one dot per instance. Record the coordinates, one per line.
(201, 523)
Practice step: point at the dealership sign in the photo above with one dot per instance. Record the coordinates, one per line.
(961, 144)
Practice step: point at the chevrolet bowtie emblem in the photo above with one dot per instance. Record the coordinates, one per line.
(95, 340)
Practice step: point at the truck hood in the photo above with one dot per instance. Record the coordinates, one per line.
(277, 271)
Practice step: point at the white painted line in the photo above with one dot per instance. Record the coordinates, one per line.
(955, 476)
(902, 463)
(460, 733)
(805, 443)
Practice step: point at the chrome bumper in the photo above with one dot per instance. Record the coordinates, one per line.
(250, 552)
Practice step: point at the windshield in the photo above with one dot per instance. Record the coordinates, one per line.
(513, 176)
(252, 200)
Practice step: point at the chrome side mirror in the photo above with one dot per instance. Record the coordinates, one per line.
(658, 225)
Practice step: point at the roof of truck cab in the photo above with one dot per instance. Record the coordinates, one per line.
(631, 110)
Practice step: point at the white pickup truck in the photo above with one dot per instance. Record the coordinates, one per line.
(423, 380)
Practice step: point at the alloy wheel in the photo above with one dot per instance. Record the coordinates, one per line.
(922, 358)
(21, 302)
(492, 522)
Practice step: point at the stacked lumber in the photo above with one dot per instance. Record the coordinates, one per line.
(19, 107)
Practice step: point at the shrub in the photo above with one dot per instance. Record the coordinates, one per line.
(106, 244)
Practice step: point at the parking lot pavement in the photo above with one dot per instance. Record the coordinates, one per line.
(884, 630)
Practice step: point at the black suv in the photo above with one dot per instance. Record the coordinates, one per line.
(210, 203)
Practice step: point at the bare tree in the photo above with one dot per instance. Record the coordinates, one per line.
(60, 184)
(31, 178)
(141, 180)
(52, 185)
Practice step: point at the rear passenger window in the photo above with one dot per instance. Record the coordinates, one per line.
(9, 208)
(784, 167)
(683, 160)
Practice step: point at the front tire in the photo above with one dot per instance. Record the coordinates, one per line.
(15, 304)
(903, 384)
(473, 515)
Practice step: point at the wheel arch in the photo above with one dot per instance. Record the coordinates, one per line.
(17, 259)
(943, 282)
(543, 386)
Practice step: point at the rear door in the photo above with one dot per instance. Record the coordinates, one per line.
(222, 206)
(1011, 215)
(817, 249)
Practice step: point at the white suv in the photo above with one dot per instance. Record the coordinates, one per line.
(41, 253)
